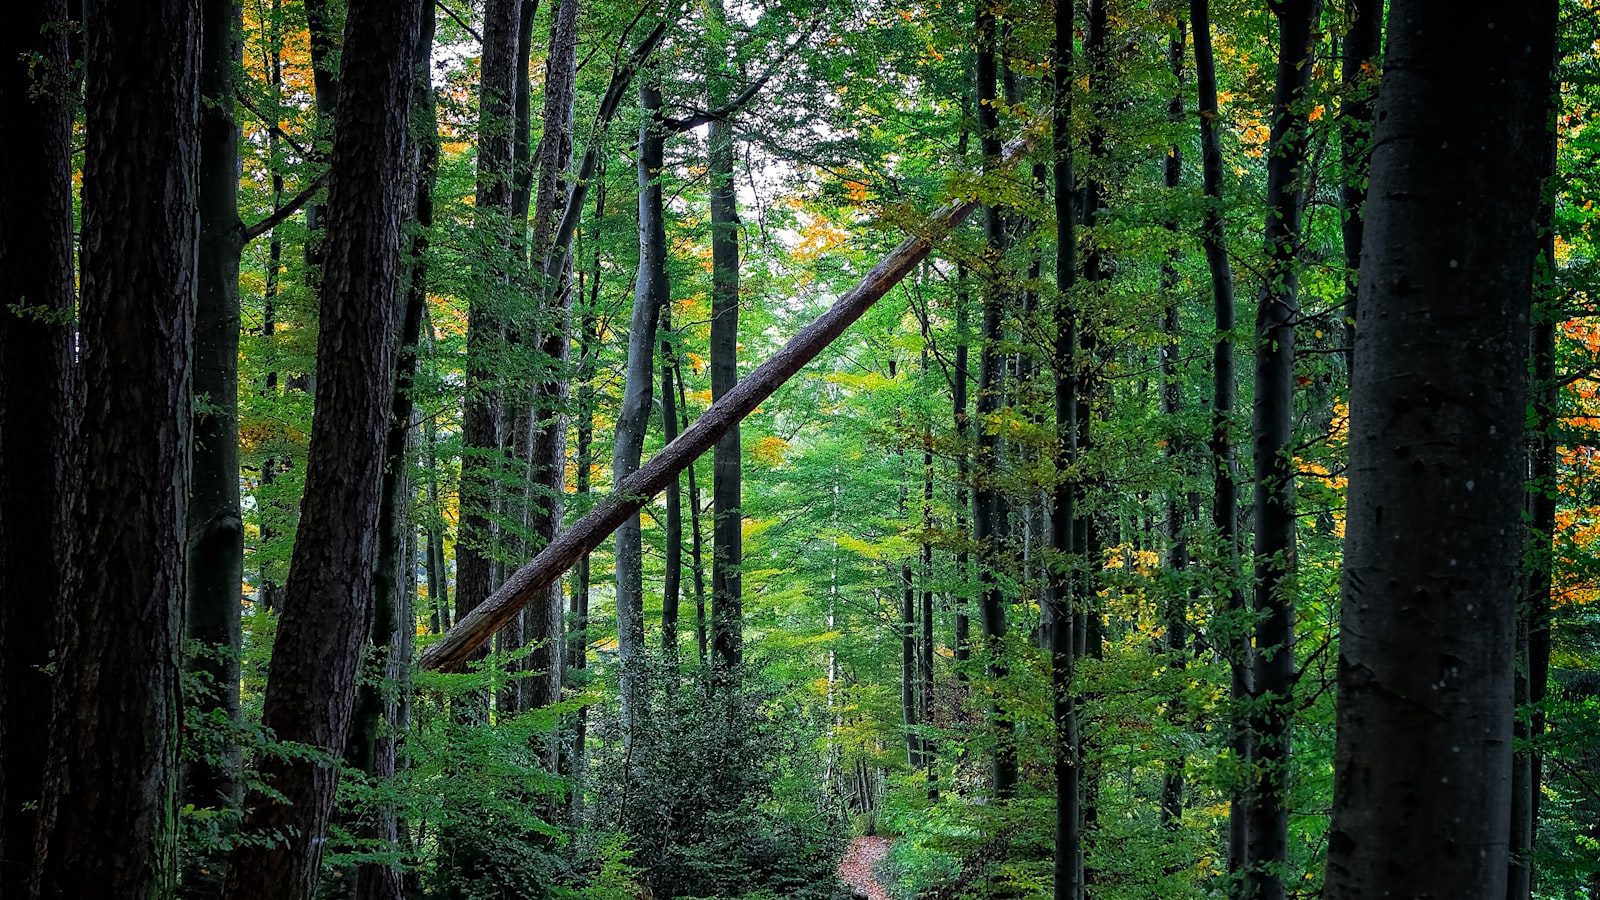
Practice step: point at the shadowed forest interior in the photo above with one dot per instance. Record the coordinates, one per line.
(600, 449)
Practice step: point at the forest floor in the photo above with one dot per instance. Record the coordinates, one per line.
(859, 866)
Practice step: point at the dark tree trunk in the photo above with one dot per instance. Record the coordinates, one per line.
(380, 705)
(311, 684)
(268, 588)
(696, 563)
(1230, 632)
(1066, 756)
(216, 527)
(925, 645)
(36, 400)
(1358, 82)
(481, 459)
(108, 813)
(651, 292)
(987, 528)
(907, 628)
(1432, 561)
(958, 402)
(672, 579)
(727, 538)
(1177, 610)
(546, 455)
(1276, 314)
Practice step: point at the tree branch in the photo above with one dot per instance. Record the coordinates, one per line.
(285, 211)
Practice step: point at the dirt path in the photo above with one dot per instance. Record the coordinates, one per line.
(860, 861)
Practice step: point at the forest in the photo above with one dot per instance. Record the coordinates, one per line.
(818, 449)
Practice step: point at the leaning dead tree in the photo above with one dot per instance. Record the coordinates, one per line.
(471, 633)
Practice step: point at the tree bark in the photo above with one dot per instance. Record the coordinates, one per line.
(650, 293)
(1276, 315)
(1432, 565)
(986, 513)
(215, 522)
(481, 458)
(1231, 631)
(958, 401)
(1358, 83)
(36, 399)
(727, 522)
(107, 820)
(456, 648)
(311, 684)
(1066, 751)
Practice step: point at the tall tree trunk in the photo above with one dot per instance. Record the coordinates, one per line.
(1066, 755)
(958, 401)
(1276, 315)
(907, 628)
(36, 399)
(672, 579)
(650, 293)
(379, 704)
(1225, 492)
(268, 589)
(546, 454)
(311, 684)
(215, 523)
(1432, 567)
(696, 562)
(1358, 82)
(1177, 610)
(925, 646)
(986, 513)
(727, 539)
(108, 814)
(481, 459)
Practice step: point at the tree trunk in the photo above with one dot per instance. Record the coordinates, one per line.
(312, 680)
(1432, 567)
(727, 523)
(1276, 315)
(696, 563)
(908, 629)
(36, 399)
(1358, 83)
(1066, 752)
(481, 458)
(546, 453)
(672, 579)
(925, 606)
(1231, 632)
(987, 527)
(650, 293)
(216, 528)
(1177, 610)
(456, 648)
(107, 819)
(379, 705)
(958, 402)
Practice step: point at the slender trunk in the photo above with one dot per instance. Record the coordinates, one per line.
(958, 401)
(987, 501)
(1276, 314)
(1358, 83)
(481, 458)
(1231, 631)
(312, 680)
(907, 629)
(1066, 752)
(268, 587)
(925, 611)
(727, 541)
(696, 563)
(1177, 611)
(215, 549)
(650, 293)
(1437, 457)
(546, 453)
(36, 399)
(672, 579)
(577, 635)
(108, 812)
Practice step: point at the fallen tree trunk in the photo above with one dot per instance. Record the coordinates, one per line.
(463, 642)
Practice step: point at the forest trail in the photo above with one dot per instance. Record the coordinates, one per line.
(857, 867)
